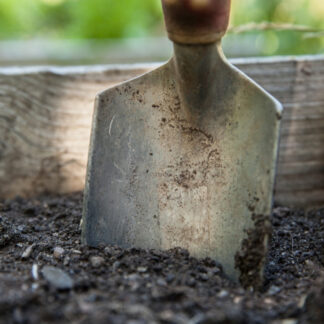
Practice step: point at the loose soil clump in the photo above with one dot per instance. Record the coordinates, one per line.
(48, 276)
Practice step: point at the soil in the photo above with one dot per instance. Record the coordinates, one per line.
(114, 285)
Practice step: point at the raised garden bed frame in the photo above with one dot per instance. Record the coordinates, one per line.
(45, 121)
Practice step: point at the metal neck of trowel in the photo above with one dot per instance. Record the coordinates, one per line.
(196, 28)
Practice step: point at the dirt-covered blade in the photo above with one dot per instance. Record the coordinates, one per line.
(185, 156)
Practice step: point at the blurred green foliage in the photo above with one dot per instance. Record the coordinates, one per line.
(95, 19)
(298, 12)
(79, 18)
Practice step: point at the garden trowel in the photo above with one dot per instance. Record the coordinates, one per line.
(185, 155)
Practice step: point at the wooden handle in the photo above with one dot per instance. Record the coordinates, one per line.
(196, 21)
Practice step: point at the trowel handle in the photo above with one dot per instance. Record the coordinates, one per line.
(196, 21)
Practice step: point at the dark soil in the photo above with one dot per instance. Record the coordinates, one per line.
(114, 285)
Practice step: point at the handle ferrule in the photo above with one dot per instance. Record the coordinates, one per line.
(196, 21)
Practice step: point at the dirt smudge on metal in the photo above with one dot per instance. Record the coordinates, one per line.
(250, 260)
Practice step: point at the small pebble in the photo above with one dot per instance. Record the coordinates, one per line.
(66, 260)
(238, 299)
(57, 278)
(24, 287)
(21, 228)
(273, 290)
(116, 265)
(203, 277)
(142, 269)
(170, 277)
(17, 316)
(35, 271)
(27, 253)
(108, 250)
(96, 261)
(223, 293)
(302, 301)
(269, 301)
(58, 252)
(191, 282)
(161, 282)
(34, 286)
(289, 321)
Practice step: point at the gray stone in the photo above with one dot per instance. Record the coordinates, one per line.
(66, 260)
(58, 252)
(27, 253)
(96, 261)
(142, 269)
(223, 293)
(273, 290)
(57, 278)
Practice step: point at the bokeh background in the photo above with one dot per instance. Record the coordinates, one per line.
(128, 31)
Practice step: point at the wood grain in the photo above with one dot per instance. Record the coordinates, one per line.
(45, 118)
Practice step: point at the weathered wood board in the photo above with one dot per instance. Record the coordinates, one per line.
(45, 120)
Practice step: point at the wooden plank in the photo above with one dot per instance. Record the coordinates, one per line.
(45, 118)
(301, 198)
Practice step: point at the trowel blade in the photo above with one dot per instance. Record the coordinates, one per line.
(158, 177)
